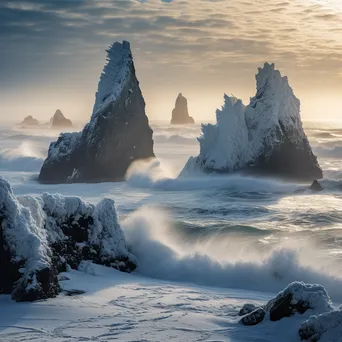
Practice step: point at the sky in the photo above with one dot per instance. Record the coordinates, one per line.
(53, 51)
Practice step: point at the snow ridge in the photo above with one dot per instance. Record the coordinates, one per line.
(115, 75)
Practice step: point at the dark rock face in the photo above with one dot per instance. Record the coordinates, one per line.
(60, 121)
(246, 309)
(29, 121)
(180, 114)
(117, 134)
(296, 298)
(316, 186)
(65, 231)
(254, 317)
(284, 306)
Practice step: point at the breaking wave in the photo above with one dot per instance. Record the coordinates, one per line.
(230, 264)
(22, 159)
(153, 174)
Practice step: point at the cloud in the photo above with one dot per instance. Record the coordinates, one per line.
(183, 40)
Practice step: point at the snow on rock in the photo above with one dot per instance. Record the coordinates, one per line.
(297, 297)
(60, 121)
(266, 137)
(326, 327)
(29, 121)
(118, 132)
(180, 114)
(41, 236)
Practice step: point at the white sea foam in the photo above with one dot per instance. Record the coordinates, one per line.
(161, 256)
(23, 158)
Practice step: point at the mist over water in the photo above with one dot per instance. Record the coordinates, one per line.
(217, 230)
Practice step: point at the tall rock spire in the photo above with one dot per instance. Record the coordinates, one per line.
(118, 132)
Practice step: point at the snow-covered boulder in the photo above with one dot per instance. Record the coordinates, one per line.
(118, 132)
(60, 121)
(29, 121)
(40, 236)
(266, 137)
(180, 114)
(297, 297)
(326, 327)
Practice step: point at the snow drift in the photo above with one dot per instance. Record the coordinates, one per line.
(265, 137)
(117, 134)
(40, 236)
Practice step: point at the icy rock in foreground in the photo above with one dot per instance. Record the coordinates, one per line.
(118, 132)
(180, 114)
(60, 121)
(265, 138)
(29, 121)
(40, 236)
(297, 297)
(326, 327)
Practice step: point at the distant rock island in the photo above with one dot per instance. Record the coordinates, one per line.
(118, 132)
(60, 121)
(264, 138)
(29, 121)
(180, 114)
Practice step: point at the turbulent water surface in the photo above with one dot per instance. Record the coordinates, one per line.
(223, 231)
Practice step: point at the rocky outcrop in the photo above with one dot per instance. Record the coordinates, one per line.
(40, 236)
(60, 121)
(118, 132)
(316, 186)
(327, 327)
(29, 121)
(264, 138)
(180, 114)
(296, 298)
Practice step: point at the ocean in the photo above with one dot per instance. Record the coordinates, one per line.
(222, 240)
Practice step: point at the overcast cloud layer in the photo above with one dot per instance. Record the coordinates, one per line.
(52, 52)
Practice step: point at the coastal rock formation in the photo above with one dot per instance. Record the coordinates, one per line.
(118, 132)
(297, 297)
(40, 236)
(316, 186)
(180, 114)
(60, 121)
(327, 327)
(264, 138)
(29, 121)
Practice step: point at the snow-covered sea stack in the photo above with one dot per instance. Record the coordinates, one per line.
(266, 137)
(180, 114)
(118, 132)
(40, 236)
(60, 121)
(29, 121)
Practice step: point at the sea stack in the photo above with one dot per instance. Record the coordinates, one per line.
(118, 132)
(264, 138)
(180, 114)
(60, 121)
(29, 121)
